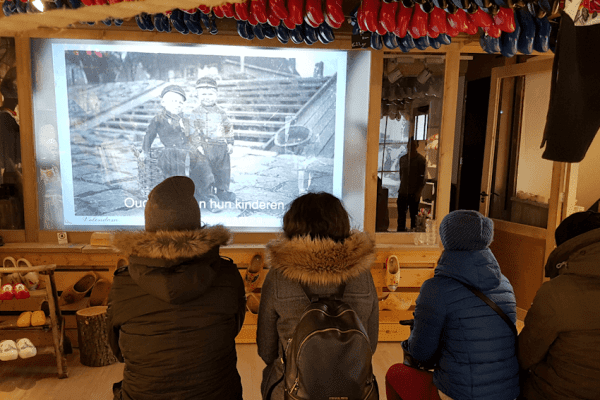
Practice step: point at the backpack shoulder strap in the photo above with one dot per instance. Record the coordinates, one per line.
(226, 259)
(313, 297)
(492, 305)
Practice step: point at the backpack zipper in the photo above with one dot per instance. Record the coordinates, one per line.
(294, 388)
(326, 313)
(370, 391)
(326, 330)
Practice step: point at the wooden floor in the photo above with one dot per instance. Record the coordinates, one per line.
(36, 379)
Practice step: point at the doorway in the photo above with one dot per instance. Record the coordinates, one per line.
(473, 144)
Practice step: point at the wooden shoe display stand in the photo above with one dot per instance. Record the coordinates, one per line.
(417, 264)
(73, 261)
(54, 322)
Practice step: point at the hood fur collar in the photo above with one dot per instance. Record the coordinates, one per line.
(171, 245)
(322, 261)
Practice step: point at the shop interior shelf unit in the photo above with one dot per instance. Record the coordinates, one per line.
(54, 322)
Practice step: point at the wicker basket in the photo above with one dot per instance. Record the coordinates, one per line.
(149, 175)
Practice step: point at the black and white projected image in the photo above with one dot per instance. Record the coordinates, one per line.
(253, 132)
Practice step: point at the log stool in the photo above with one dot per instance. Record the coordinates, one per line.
(94, 350)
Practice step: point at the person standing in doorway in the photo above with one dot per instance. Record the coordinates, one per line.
(412, 181)
(10, 142)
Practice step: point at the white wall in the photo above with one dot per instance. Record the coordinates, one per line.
(534, 173)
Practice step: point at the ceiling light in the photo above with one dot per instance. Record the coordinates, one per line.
(38, 4)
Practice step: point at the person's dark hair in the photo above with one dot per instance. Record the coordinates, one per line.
(413, 144)
(575, 225)
(318, 215)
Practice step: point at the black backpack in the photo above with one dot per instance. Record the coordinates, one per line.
(329, 355)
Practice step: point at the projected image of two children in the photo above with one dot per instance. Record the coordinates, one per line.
(251, 132)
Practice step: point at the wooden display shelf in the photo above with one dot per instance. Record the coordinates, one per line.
(11, 324)
(45, 350)
(54, 323)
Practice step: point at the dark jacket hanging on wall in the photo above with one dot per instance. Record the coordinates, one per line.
(573, 118)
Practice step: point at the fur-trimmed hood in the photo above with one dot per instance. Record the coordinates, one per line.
(322, 261)
(171, 245)
(174, 266)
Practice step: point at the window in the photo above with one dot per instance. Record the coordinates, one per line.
(393, 138)
(421, 122)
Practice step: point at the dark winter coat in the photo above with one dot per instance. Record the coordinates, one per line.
(173, 131)
(573, 119)
(412, 174)
(173, 316)
(10, 145)
(323, 265)
(476, 348)
(560, 343)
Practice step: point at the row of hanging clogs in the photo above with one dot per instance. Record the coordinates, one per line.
(433, 17)
(274, 12)
(419, 20)
(405, 43)
(10, 7)
(183, 21)
(404, 24)
(11, 350)
(301, 33)
(531, 33)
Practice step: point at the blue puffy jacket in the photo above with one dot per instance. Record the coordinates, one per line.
(476, 348)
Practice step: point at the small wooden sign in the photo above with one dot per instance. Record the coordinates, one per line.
(361, 41)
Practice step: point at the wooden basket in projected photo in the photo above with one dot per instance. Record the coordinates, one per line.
(295, 136)
(149, 175)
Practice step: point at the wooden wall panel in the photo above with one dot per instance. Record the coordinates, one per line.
(409, 277)
(521, 260)
(409, 256)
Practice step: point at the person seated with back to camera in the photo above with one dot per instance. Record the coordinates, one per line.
(173, 131)
(560, 342)
(473, 346)
(174, 312)
(318, 249)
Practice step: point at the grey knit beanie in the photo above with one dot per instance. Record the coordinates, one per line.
(466, 230)
(171, 206)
